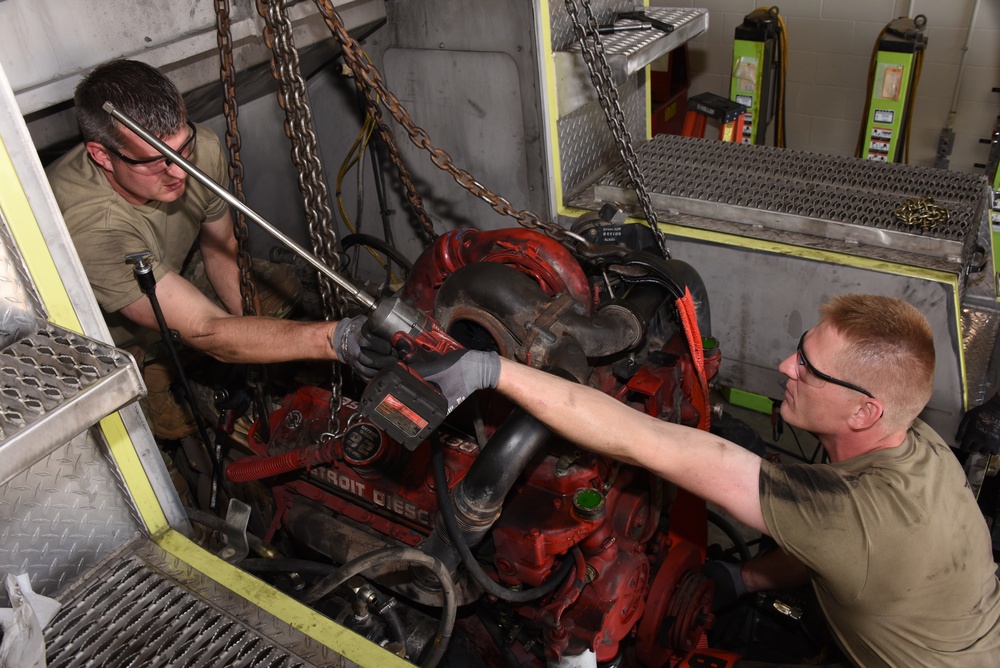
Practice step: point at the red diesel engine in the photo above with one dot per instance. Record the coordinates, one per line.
(589, 559)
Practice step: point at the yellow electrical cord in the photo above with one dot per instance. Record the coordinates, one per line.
(353, 156)
(779, 103)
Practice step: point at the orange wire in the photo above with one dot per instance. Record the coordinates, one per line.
(689, 320)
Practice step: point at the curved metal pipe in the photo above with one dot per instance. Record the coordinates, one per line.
(498, 295)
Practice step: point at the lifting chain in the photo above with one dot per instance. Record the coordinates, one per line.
(292, 97)
(607, 94)
(248, 288)
(371, 80)
(922, 212)
(385, 132)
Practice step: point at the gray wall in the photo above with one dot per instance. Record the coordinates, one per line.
(830, 44)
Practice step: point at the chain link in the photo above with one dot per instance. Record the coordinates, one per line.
(256, 377)
(248, 288)
(923, 212)
(370, 79)
(607, 94)
(292, 97)
(385, 132)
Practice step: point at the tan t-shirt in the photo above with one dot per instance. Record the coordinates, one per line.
(105, 228)
(899, 553)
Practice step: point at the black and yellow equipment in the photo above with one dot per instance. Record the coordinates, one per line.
(892, 88)
(758, 79)
(729, 115)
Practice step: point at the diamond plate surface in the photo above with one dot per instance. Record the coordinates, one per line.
(563, 34)
(143, 607)
(834, 196)
(19, 304)
(628, 44)
(62, 516)
(586, 147)
(980, 328)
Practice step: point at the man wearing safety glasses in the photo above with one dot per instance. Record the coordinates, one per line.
(119, 196)
(887, 533)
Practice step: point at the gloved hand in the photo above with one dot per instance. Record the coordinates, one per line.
(728, 580)
(358, 347)
(980, 428)
(460, 373)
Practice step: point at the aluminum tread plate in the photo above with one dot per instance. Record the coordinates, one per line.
(144, 607)
(63, 515)
(835, 197)
(586, 146)
(629, 51)
(54, 384)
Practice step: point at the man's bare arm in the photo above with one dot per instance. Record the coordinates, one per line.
(205, 326)
(702, 463)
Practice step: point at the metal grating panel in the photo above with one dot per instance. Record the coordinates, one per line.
(53, 385)
(143, 607)
(829, 196)
(62, 516)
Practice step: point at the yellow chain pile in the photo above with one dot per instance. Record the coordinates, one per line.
(922, 211)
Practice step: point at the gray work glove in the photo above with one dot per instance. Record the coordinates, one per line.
(980, 428)
(460, 373)
(729, 585)
(359, 348)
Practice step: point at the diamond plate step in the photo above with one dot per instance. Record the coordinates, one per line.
(54, 384)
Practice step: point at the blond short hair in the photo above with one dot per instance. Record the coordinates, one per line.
(889, 351)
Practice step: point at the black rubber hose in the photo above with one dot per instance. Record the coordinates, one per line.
(383, 247)
(447, 512)
(406, 554)
(731, 532)
(391, 616)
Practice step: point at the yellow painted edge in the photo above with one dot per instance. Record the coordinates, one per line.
(136, 480)
(28, 237)
(318, 627)
(545, 26)
(548, 57)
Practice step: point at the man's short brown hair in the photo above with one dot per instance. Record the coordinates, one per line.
(139, 90)
(889, 351)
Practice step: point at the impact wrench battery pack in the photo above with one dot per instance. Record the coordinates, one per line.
(403, 405)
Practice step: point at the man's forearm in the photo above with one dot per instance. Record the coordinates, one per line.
(262, 340)
(698, 461)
